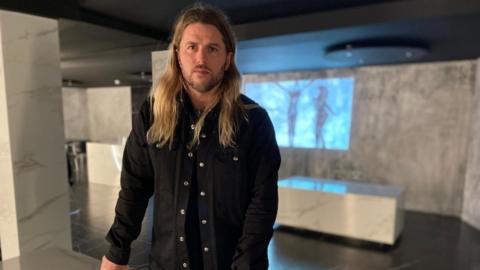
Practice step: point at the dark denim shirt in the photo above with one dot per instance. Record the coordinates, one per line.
(236, 201)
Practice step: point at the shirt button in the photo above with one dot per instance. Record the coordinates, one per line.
(185, 265)
(190, 154)
(205, 249)
(182, 211)
(202, 193)
(201, 164)
(235, 158)
(158, 145)
(181, 238)
(192, 126)
(203, 135)
(204, 221)
(186, 183)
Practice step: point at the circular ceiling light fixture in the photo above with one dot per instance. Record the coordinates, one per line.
(385, 51)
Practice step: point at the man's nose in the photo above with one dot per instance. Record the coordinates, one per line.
(201, 56)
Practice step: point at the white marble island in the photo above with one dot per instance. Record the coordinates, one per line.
(358, 210)
(104, 163)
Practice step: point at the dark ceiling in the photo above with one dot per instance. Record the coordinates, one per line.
(113, 39)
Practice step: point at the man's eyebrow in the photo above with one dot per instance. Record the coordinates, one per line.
(209, 44)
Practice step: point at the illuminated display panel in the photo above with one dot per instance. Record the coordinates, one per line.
(311, 113)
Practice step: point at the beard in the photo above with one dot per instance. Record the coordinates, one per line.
(208, 85)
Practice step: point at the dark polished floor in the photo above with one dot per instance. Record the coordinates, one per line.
(428, 241)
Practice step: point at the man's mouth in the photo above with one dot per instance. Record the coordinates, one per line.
(201, 70)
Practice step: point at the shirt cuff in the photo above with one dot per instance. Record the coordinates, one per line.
(118, 256)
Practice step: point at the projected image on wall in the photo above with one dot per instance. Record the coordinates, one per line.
(313, 113)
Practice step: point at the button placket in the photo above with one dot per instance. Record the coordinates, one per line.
(202, 154)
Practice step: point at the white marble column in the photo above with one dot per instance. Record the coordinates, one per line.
(471, 199)
(34, 198)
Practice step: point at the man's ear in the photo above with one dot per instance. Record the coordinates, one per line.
(228, 61)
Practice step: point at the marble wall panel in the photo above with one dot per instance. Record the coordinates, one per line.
(410, 127)
(471, 198)
(8, 215)
(109, 113)
(35, 175)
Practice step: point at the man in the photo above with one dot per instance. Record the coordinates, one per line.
(206, 152)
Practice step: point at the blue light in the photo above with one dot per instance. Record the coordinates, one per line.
(314, 185)
(308, 113)
(334, 188)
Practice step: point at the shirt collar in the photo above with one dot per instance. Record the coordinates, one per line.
(186, 104)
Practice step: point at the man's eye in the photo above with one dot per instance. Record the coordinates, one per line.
(213, 49)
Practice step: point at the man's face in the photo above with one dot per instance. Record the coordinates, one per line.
(202, 56)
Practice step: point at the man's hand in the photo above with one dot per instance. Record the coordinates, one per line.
(108, 265)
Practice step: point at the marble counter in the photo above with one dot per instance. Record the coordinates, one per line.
(51, 259)
(104, 163)
(352, 209)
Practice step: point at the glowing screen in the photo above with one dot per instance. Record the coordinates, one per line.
(330, 186)
(313, 113)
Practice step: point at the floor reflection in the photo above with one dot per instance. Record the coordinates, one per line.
(428, 241)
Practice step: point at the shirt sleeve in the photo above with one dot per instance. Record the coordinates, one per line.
(136, 189)
(264, 163)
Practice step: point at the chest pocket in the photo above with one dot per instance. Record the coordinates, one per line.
(228, 163)
(164, 164)
(231, 188)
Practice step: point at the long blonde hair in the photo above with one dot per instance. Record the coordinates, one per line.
(165, 109)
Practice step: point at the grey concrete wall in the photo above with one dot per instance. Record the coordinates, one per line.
(471, 198)
(99, 114)
(159, 61)
(109, 113)
(410, 128)
(75, 113)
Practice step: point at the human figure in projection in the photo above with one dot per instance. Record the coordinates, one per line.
(294, 95)
(323, 111)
